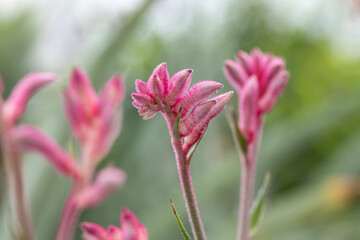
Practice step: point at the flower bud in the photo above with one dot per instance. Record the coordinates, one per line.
(15, 105)
(156, 87)
(141, 87)
(163, 75)
(235, 74)
(92, 231)
(248, 107)
(196, 93)
(275, 88)
(81, 84)
(197, 115)
(142, 98)
(178, 85)
(131, 227)
(114, 90)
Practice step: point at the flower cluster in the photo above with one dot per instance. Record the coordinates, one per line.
(259, 78)
(171, 97)
(130, 229)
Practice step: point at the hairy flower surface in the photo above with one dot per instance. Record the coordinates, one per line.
(259, 78)
(94, 118)
(171, 96)
(131, 229)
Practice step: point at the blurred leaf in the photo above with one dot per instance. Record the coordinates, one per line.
(258, 207)
(181, 226)
(239, 139)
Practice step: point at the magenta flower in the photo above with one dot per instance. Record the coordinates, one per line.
(130, 229)
(94, 119)
(187, 113)
(259, 78)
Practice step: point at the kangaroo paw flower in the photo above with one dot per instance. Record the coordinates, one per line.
(259, 79)
(187, 113)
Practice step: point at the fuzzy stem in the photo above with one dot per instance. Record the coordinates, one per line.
(186, 182)
(13, 172)
(247, 186)
(246, 199)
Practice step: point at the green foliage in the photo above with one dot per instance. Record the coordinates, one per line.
(258, 207)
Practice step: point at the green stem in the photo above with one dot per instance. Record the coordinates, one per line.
(186, 181)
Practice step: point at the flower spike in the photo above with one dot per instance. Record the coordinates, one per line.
(178, 85)
(259, 79)
(187, 113)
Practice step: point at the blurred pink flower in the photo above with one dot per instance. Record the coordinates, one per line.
(15, 105)
(259, 78)
(130, 229)
(160, 93)
(94, 119)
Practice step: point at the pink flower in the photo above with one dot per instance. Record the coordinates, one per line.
(160, 94)
(15, 105)
(130, 229)
(259, 78)
(94, 119)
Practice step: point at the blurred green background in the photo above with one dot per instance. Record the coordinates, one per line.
(311, 141)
